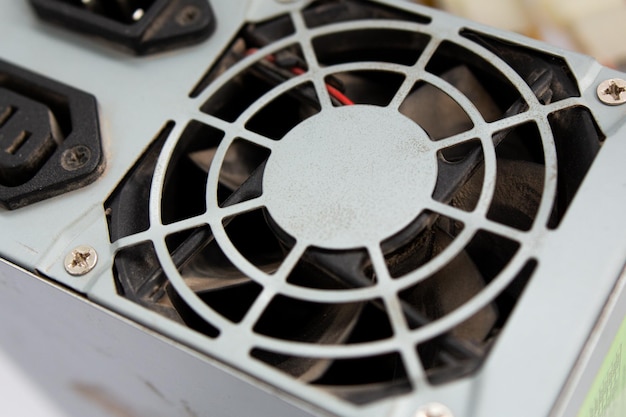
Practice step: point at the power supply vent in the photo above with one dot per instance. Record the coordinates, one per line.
(356, 202)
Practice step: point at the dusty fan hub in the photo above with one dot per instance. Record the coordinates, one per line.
(350, 177)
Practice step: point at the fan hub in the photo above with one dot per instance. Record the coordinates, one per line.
(350, 177)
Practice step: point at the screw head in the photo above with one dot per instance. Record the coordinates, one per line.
(75, 157)
(434, 410)
(612, 91)
(188, 15)
(81, 260)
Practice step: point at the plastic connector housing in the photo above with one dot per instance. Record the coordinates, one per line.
(49, 137)
(139, 26)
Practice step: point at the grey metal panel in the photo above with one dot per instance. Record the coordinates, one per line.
(95, 363)
(595, 353)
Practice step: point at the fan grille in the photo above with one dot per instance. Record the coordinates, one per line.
(236, 253)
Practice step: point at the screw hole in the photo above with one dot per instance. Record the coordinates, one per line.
(75, 158)
(188, 16)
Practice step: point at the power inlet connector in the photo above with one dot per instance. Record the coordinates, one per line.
(140, 26)
(49, 138)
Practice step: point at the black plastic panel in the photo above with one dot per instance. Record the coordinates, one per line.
(49, 137)
(141, 26)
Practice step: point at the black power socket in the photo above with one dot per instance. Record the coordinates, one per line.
(29, 133)
(141, 26)
(123, 11)
(49, 137)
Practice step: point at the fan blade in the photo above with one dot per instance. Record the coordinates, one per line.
(348, 271)
(365, 393)
(453, 175)
(203, 158)
(239, 163)
(232, 174)
(202, 284)
(347, 268)
(449, 288)
(518, 201)
(441, 116)
(336, 323)
(200, 238)
(204, 276)
(328, 324)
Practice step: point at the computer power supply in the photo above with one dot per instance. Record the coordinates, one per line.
(308, 208)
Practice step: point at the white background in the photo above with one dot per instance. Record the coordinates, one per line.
(19, 397)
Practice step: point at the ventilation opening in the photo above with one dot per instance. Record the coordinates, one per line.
(547, 75)
(461, 175)
(436, 112)
(408, 250)
(256, 80)
(520, 176)
(210, 274)
(243, 163)
(326, 12)
(184, 194)
(577, 138)
(139, 277)
(127, 207)
(327, 270)
(462, 350)
(488, 89)
(252, 36)
(321, 323)
(377, 45)
(294, 106)
(358, 380)
(366, 87)
(459, 281)
(253, 237)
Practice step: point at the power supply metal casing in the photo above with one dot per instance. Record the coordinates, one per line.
(100, 354)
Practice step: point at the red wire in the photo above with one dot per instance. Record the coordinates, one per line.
(339, 95)
(342, 98)
(331, 90)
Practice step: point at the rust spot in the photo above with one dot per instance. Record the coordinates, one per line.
(103, 399)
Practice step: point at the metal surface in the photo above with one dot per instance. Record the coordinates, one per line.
(93, 362)
(578, 263)
(595, 351)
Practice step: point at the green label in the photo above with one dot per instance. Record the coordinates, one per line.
(607, 397)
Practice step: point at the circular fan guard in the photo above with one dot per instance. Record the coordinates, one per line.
(271, 259)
